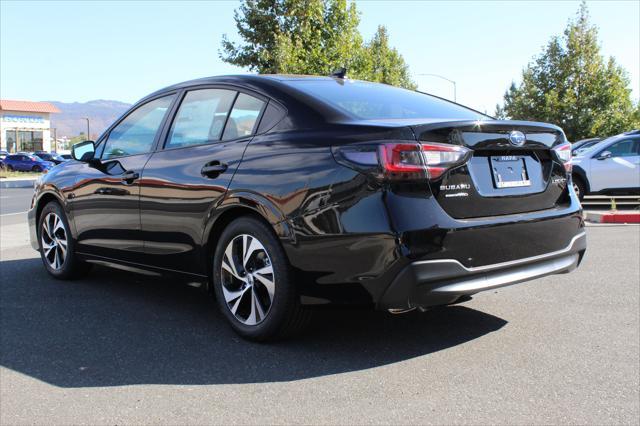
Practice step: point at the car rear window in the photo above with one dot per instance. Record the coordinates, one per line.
(370, 101)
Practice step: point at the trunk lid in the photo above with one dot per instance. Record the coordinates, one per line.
(506, 174)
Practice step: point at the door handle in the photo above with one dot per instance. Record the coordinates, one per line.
(213, 169)
(129, 177)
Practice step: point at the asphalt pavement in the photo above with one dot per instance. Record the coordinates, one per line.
(14, 203)
(117, 348)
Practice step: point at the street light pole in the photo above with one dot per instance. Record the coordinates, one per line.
(455, 97)
(88, 130)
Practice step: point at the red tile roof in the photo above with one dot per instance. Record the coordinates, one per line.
(27, 106)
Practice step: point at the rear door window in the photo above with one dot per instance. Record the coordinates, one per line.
(243, 118)
(200, 118)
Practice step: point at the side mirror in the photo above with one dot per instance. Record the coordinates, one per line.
(83, 151)
(604, 155)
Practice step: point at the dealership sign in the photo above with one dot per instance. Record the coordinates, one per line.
(22, 119)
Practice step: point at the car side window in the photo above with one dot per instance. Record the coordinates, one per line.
(624, 148)
(136, 133)
(272, 115)
(200, 118)
(243, 117)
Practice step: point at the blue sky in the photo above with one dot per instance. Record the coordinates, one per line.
(79, 51)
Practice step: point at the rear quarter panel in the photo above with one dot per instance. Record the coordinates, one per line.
(327, 208)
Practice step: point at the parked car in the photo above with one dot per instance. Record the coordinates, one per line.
(610, 167)
(26, 163)
(583, 145)
(3, 155)
(283, 193)
(50, 156)
(66, 156)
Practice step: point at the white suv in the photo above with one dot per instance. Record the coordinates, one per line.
(609, 167)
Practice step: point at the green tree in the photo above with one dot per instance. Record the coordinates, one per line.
(571, 84)
(380, 62)
(77, 139)
(311, 37)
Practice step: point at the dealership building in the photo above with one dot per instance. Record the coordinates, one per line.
(26, 126)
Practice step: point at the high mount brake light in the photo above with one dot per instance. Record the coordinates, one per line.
(407, 160)
(564, 154)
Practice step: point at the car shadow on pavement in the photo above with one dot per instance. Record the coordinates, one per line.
(114, 328)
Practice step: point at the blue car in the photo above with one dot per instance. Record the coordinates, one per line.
(26, 163)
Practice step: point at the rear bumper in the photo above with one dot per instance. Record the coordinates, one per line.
(444, 281)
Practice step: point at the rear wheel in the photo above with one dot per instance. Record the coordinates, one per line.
(57, 247)
(579, 187)
(9, 167)
(253, 282)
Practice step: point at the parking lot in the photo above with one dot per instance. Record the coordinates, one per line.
(117, 348)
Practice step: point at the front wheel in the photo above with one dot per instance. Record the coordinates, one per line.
(57, 247)
(579, 187)
(253, 283)
(36, 169)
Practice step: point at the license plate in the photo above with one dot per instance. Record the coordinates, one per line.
(509, 171)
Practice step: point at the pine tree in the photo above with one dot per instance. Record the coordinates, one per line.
(311, 37)
(572, 85)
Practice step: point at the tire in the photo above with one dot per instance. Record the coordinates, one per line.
(53, 236)
(9, 167)
(36, 169)
(255, 309)
(579, 187)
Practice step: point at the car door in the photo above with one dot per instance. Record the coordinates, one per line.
(620, 170)
(19, 162)
(25, 163)
(105, 198)
(183, 182)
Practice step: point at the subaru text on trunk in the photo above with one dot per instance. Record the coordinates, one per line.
(284, 193)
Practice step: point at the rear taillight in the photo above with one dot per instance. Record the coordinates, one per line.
(402, 161)
(406, 160)
(441, 157)
(563, 152)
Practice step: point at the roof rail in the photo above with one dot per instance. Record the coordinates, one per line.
(632, 132)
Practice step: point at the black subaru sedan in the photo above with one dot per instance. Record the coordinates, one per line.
(280, 194)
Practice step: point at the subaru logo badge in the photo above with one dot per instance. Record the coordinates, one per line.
(517, 138)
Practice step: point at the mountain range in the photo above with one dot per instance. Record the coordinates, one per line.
(70, 121)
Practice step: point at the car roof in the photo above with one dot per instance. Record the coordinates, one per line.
(263, 81)
(273, 86)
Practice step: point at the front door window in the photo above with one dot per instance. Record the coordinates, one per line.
(136, 133)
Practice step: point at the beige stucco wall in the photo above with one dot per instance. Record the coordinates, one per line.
(6, 123)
